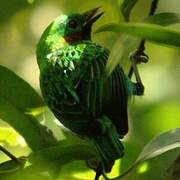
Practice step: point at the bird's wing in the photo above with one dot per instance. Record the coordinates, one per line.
(101, 95)
(91, 86)
(84, 82)
(116, 96)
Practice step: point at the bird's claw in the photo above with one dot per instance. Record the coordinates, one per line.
(138, 57)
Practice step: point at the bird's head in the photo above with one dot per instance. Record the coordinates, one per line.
(75, 27)
(64, 30)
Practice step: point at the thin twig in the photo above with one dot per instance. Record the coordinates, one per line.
(141, 46)
(11, 156)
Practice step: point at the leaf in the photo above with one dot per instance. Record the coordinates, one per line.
(11, 165)
(53, 158)
(164, 19)
(16, 98)
(29, 172)
(9, 9)
(19, 92)
(173, 172)
(160, 144)
(151, 32)
(63, 153)
(120, 51)
(126, 8)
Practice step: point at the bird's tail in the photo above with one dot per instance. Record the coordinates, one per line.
(108, 144)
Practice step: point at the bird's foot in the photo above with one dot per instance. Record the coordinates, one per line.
(138, 57)
(139, 89)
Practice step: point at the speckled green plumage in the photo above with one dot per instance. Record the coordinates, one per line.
(75, 87)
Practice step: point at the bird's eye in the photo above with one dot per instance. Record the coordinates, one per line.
(72, 24)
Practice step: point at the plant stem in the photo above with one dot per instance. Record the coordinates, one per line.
(141, 46)
(11, 156)
(97, 176)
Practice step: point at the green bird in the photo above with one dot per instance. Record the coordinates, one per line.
(76, 88)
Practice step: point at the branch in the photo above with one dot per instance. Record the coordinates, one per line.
(141, 47)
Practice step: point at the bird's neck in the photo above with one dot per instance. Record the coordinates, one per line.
(54, 43)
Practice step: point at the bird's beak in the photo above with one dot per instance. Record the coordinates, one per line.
(92, 15)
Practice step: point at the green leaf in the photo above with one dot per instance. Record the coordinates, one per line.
(63, 153)
(29, 172)
(173, 172)
(53, 158)
(151, 32)
(119, 52)
(9, 9)
(19, 92)
(164, 19)
(162, 143)
(126, 8)
(16, 98)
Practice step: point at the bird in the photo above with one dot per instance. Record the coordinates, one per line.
(77, 89)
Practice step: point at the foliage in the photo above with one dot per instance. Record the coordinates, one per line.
(150, 32)
(55, 150)
(14, 110)
(157, 146)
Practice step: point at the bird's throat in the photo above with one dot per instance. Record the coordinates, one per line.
(72, 38)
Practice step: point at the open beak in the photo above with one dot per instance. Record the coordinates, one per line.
(92, 15)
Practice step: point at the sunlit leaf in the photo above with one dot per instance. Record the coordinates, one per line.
(126, 8)
(37, 110)
(151, 32)
(9, 136)
(143, 168)
(164, 19)
(16, 97)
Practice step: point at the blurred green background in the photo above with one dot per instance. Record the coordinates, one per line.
(21, 24)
